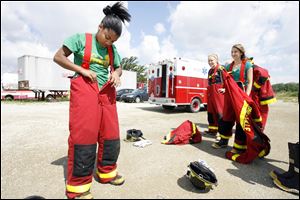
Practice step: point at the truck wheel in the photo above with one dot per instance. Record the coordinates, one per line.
(137, 99)
(195, 105)
(49, 98)
(168, 107)
(9, 98)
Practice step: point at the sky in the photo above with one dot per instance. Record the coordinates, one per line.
(158, 30)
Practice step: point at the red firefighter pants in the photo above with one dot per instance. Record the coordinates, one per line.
(215, 104)
(226, 124)
(93, 119)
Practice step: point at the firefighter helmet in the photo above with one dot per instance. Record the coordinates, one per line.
(200, 175)
(134, 135)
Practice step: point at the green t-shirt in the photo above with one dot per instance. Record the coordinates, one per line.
(236, 72)
(99, 62)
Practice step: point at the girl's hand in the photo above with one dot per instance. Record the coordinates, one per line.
(115, 79)
(221, 90)
(89, 74)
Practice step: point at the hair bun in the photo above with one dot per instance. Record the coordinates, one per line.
(107, 10)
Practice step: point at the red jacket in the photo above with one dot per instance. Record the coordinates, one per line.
(244, 110)
(262, 91)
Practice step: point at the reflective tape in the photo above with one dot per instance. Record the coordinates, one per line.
(79, 188)
(225, 137)
(111, 174)
(213, 127)
(238, 146)
(235, 156)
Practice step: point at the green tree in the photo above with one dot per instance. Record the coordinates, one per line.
(131, 64)
(286, 87)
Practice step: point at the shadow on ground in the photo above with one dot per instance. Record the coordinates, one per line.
(63, 161)
(256, 172)
(185, 184)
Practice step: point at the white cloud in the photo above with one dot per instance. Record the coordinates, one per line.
(266, 29)
(269, 32)
(159, 28)
(123, 44)
(149, 49)
(39, 28)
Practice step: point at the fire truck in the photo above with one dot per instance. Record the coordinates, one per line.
(178, 82)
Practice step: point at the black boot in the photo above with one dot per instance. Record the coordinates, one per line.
(291, 184)
(274, 174)
(221, 144)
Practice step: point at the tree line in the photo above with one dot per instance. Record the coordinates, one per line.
(131, 64)
(286, 87)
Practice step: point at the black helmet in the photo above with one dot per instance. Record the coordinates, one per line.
(134, 135)
(201, 176)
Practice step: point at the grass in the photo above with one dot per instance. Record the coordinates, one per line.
(287, 96)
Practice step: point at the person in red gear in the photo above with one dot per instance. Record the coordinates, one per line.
(215, 99)
(93, 114)
(242, 73)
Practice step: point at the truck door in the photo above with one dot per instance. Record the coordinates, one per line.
(164, 80)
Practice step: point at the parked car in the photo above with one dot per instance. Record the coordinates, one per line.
(123, 91)
(138, 95)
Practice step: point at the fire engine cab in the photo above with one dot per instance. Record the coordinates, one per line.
(178, 82)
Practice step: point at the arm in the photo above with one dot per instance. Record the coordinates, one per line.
(250, 80)
(61, 59)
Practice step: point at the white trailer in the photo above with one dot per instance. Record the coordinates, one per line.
(43, 76)
(43, 73)
(128, 80)
(46, 79)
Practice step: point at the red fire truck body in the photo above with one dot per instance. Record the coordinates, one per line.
(178, 82)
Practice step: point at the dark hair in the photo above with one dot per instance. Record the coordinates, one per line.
(241, 49)
(115, 15)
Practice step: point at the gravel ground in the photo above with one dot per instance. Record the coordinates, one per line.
(34, 149)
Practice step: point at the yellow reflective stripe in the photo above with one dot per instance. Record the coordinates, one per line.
(225, 137)
(256, 85)
(167, 138)
(243, 114)
(262, 153)
(207, 184)
(193, 174)
(257, 120)
(269, 101)
(213, 127)
(111, 174)
(235, 156)
(79, 188)
(238, 146)
(194, 128)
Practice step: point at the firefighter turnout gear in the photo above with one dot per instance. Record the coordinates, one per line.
(134, 135)
(186, 133)
(93, 119)
(274, 174)
(215, 99)
(262, 92)
(201, 176)
(242, 109)
(289, 181)
(227, 122)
